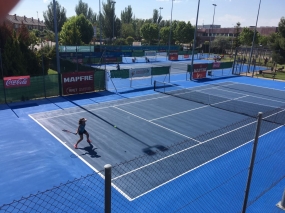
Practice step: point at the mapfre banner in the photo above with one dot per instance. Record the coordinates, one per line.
(16, 81)
(200, 71)
(77, 82)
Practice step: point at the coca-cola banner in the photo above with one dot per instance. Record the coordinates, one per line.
(77, 82)
(17, 81)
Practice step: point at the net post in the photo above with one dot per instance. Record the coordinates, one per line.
(259, 119)
(281, 204)
(108, 174)
(151, 76)
(154, 85)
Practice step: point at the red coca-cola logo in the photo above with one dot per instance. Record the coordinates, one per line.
(20, 81)
(17, 81)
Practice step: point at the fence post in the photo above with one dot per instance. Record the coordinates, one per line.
(4, 89)
(108, 174)
(259, 119)
(281, 204)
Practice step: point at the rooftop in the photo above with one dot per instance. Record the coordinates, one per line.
(29, 21)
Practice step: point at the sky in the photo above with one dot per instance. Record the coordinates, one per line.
(227, 12)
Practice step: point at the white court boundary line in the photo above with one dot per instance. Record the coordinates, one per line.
(198, 107)
(252, 96)
(157, 124)
(256, 86)
(99, 108)
(77, 155)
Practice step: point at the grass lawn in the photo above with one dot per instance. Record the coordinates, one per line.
(279, 75)
(51, 72)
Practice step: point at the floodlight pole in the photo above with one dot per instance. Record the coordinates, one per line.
(160, 8)
(194, 42)
(170, 28)
(253, 39)
(56, 47)
(113, 3)
(212, 30)
(100, 24)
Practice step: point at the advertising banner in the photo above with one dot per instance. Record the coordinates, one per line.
(77, 82)
(150, 53)
(16, 81)
(140, 72)
(173, 56)
(200, 71)
(216, 65)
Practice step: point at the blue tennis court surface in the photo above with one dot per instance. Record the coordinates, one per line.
(170, 151)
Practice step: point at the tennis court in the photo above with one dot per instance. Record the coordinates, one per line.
(124, 129)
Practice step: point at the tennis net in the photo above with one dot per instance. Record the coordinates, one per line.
(270, 113)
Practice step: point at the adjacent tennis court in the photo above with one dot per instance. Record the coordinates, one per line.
(124, 129)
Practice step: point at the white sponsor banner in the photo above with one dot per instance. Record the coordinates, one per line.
(137, 43)
(140, 72)
(161, 53)
(150, 53)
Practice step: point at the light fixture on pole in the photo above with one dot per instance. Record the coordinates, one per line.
(212, 30)
(194, 42)
(253, 39)
(100, 23)
(170, 28)
(160, 8)
(56, 45)
(113, 3)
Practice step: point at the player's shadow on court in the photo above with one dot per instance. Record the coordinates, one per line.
(90, 150)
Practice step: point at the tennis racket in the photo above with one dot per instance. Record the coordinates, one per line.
(65, 130)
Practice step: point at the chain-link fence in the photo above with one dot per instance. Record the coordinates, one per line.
(212, 175)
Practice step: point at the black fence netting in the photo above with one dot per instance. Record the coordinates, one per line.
(85, 194)
(207, 173)
(270, 113)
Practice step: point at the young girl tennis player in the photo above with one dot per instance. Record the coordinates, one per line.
(81, 130)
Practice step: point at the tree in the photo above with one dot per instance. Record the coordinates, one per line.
(281, 27)
(221, 43)
(109, 18)
(83, 8)
(76, 30)
(18, 58)
(246, 37)
(164, 34)
(137, 24)
(130, 40)
(149, 32)
(120, 41)
(127, 30)
(85, 29)
(60, 15)
(155, 17)
(237, 34)
(263, 40)
(276, 43)
(127, 15)
(184, 33)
